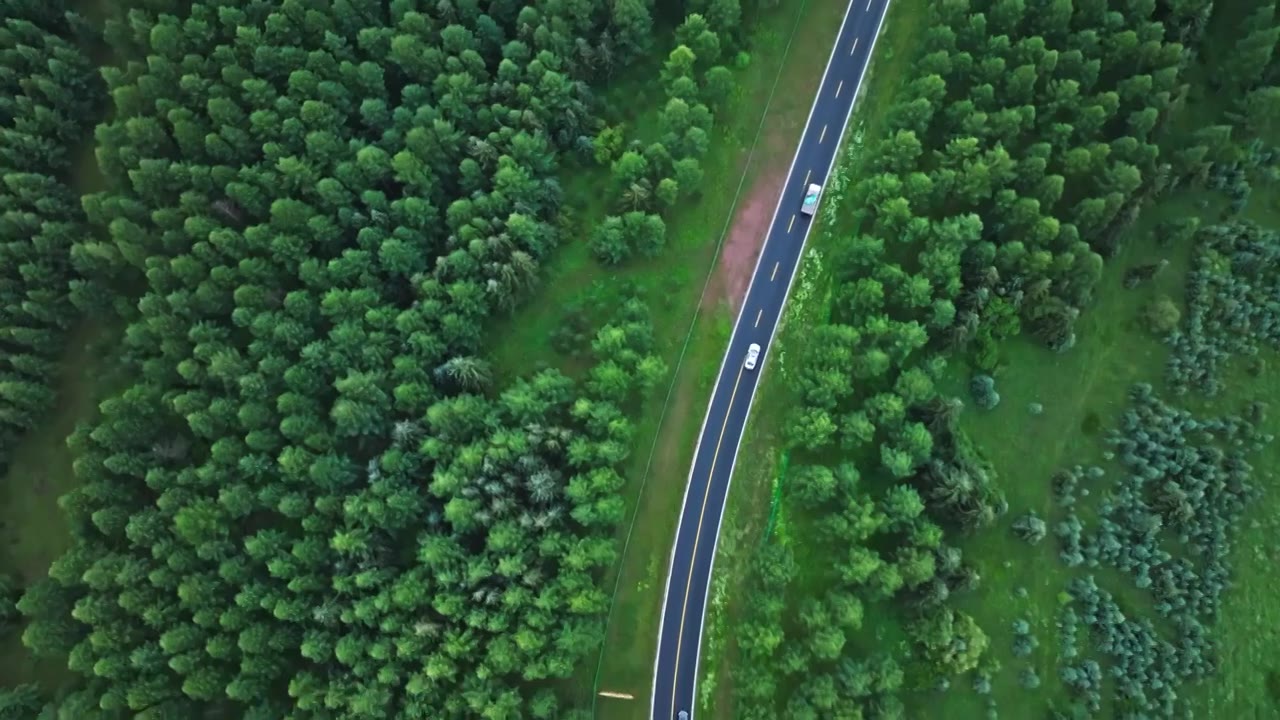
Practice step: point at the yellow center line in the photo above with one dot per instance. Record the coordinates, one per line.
(775, 269)
(839, 88)
(823, 136)
(855, 46)
(758, 317)
(791, 224)
(675, 672)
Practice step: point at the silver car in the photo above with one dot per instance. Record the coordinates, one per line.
(753, 352)
(684, 715)
(811, 199)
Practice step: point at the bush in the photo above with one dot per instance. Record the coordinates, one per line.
(618, 238)
(1161, 315)
(983, 389)
(1030, 528)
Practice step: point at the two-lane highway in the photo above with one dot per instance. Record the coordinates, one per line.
(693, 554)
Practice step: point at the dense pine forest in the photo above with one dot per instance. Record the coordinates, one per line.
(1021, 396)
(312, 497)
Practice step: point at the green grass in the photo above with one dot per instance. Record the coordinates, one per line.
(33, 530)
(1083, 390)
(1082, 387)
(749, 502)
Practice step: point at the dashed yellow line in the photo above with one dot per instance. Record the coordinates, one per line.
(688, 585)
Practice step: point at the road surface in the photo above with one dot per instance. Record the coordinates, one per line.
(689, 576)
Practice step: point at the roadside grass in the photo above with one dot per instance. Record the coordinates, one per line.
(759, 459)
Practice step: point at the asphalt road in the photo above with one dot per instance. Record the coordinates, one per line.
(689, 577)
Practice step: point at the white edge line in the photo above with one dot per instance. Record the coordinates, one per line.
(764, 353)
(657, 656)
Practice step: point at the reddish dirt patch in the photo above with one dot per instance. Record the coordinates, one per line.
(745, 239)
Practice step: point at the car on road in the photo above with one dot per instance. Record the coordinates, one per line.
(684, 715)
(811, 199)
(753, 352)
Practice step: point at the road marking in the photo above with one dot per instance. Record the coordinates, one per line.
(839, 88)
(855, 46)
(806, 177)
(775, 269)
(868, 4)
(657, 660)
(823, 136)
(791, 224)
(758, 317)
(697, 535)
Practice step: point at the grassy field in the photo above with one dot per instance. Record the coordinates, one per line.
(760, 464)
(1080, 390)
(1083, 392)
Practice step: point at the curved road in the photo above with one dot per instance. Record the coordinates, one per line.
(693, 554)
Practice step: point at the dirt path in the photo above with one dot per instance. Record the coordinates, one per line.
(746, 237)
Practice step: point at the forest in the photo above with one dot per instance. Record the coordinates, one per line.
(313, 488)
(1011, 191)
(313, 496)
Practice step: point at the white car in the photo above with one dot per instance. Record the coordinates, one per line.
(684, 715)
(811, 199)
(753, 352)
